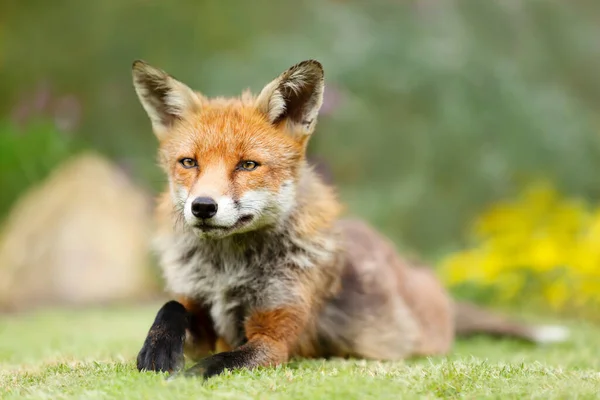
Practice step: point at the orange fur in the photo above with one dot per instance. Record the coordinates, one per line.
(276, 331)
(228, 135)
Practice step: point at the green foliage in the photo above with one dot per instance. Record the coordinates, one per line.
(28, 155)
(442, 108)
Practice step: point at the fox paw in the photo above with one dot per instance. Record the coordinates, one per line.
(163, 348)
(216, 364)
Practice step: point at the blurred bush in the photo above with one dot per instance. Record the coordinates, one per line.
(434, 108)
(540, 249)
(27, 155)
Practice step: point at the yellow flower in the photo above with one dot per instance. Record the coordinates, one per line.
(512, 284)
(498, 219)
(457, 268)
(557, 294)
(539, 236)
(545, 254)
(590, 290)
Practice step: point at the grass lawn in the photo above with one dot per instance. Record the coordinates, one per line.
(90, 354)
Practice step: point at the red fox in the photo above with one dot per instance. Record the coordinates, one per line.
(252, 245)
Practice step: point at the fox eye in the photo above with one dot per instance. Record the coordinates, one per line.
(248, 165)
(188, 163)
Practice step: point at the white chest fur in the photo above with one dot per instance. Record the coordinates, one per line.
(224, 285)
(232, 279)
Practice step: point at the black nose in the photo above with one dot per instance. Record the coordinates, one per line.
(204, 207)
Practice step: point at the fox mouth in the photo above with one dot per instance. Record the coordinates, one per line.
(243, 220)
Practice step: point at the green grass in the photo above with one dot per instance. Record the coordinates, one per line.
(59, 354)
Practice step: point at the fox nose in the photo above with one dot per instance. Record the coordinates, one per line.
(204, 207)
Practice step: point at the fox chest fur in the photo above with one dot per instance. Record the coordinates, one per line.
(240, 274)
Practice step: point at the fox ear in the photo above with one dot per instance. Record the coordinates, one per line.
(164, 98)
(295, 97)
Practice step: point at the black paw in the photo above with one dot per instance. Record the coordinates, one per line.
(216, 364)
(163, 347)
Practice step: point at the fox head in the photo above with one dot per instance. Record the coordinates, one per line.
(233, 164)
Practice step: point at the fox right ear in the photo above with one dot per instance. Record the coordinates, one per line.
(164, 98)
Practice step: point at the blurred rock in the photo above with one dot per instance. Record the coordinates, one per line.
(79, 238)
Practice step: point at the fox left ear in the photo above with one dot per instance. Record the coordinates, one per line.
(295, 97)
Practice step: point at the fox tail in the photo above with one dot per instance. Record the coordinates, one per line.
(471, 320)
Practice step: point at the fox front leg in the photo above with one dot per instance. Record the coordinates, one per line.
(271, 336)
(164, 347)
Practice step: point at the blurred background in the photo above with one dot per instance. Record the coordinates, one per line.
(467, 131)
